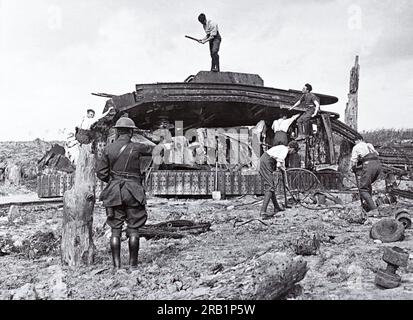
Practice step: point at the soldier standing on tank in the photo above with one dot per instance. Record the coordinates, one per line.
(124, 196)
(214, 38)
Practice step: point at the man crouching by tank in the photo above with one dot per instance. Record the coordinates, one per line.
(124, 195)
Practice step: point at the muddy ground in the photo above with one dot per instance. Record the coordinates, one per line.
(218, 264)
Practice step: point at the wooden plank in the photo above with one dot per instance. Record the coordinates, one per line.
(329, 133)
(211, 182)
(163, 183)
(179, 183)
(203, 184)
(195, 177)
(171, 183)
(187, 183)
(228, 184)
(61, 185)
(54, 185)
(244, 184)
(236, 184)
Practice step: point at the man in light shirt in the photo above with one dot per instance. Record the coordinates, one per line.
(280, 128)
(370, 169)
(271, 160)
(88, 120)
(214, 38)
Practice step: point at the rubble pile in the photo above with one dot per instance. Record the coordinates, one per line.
(41, 244)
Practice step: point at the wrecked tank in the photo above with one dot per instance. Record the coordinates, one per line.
(212, 118)
(223, 109)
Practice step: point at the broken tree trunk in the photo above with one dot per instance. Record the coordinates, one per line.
(77, 246)
(351, 111)
(350, 119)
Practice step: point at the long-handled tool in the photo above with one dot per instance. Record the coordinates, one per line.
(192, 38)
(283, 173)
(358, 188)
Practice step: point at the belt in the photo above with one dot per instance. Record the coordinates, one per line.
(125, 175)
(369, 157)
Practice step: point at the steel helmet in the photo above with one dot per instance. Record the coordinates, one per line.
(125, 122)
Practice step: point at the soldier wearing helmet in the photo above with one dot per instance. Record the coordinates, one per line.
(124, 196)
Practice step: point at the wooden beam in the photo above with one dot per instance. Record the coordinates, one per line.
(329, 133)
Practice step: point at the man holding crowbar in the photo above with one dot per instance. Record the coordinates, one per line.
(214, 38)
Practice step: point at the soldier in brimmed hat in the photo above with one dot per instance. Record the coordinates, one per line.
(124, 196)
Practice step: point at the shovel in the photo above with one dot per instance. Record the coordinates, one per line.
(216, 195)
(283, 173)
(358, 188)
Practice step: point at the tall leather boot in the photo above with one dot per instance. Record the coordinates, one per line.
(277, 207)
(267, 198)
(217, 63)
(365, 195)
(133, 251)
(115, 248)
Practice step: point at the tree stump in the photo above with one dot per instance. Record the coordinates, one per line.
(77, 247)
(279, 277)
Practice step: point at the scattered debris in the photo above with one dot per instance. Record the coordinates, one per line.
(395, 257)
(55, 159)
(13, 213)
(387, 230)
(246, 222)
(403, 217)
(173, 229)
(307, 244)
(40, 244)
(353, 215)
(26, 292)
(217, 268)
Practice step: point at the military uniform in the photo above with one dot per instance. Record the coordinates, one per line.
(124, 192)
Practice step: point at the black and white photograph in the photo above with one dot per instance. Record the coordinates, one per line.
(220, 153)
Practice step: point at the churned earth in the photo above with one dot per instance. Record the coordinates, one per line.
(219, 264)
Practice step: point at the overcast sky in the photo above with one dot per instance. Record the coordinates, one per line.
(54, 53)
